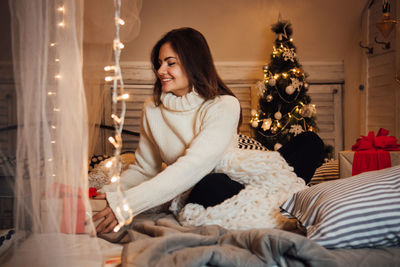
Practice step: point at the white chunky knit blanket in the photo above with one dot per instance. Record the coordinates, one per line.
(268, 180)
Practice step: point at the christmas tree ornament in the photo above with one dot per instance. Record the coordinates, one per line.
(269, 98)
(277, 146)
(254, 113)
(312, 129)
(265, 67)
(254, 123)
(296, 83)
(272, 82)
(274, 129)
(289, 89)
(306, 85)
(278, 115)
(260, 88)
(296, 129)
(308, 111)
(289, 54)
(266, 124)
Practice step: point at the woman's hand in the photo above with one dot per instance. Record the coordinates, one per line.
(109, 222)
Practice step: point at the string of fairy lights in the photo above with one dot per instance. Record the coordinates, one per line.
(123, 211)
(52, 88)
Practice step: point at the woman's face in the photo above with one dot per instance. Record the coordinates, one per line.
(171, 73)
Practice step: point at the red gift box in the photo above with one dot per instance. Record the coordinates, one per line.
(63, 210)
(372, 152)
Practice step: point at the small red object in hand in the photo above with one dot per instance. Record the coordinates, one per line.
(92, 192)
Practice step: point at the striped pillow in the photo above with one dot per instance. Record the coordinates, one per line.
(356, 212)
(246, 142)
(327, 172)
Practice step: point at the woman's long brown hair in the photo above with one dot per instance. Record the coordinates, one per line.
(196, 59)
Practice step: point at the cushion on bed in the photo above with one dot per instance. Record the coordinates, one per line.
(327, 172)
(246, 142)
(356, 212)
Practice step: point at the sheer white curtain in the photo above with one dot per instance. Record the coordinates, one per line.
(52, 212)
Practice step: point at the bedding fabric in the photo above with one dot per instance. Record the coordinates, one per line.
(159, 240)
(357, 212)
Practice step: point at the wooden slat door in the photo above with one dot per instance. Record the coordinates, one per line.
(328, 101)
(382, 91)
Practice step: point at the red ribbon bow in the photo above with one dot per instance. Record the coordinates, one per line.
(381, 141)
(372, 152)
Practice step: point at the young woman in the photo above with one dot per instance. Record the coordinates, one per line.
(190, 124)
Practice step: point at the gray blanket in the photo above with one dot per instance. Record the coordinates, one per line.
(159, 240)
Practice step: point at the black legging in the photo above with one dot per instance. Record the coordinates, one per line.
(304, 153)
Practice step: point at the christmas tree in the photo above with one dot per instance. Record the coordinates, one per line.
(285, 109)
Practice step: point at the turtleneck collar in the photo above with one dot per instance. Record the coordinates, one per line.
(187, 102)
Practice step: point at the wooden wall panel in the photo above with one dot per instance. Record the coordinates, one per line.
(381, 98)
(325, 90)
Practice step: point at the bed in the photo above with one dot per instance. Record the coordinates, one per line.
(335, 222)
(159, 240)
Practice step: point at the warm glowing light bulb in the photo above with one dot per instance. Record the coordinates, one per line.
(116, 118)
(119, 21)
(108, 78)
(109, 164)
(52, 44)
(53, 142)
(118, 44)
(123, 97)
(51, 93)
(53, 127)
(56, 109)
(57, 60)
(108, 68)
(61, 24)
(114, 179)
(126, 207)
(60, 9)
(285, 75)
(58, 76)
(112, 141)
(116, 228)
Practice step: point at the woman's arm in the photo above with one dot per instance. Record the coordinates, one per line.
(147, 159)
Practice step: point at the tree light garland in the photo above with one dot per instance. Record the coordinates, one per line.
(123, 211)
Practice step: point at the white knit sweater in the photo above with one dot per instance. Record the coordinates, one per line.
(190, 135)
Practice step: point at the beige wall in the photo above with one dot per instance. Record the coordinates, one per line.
(239, 30)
